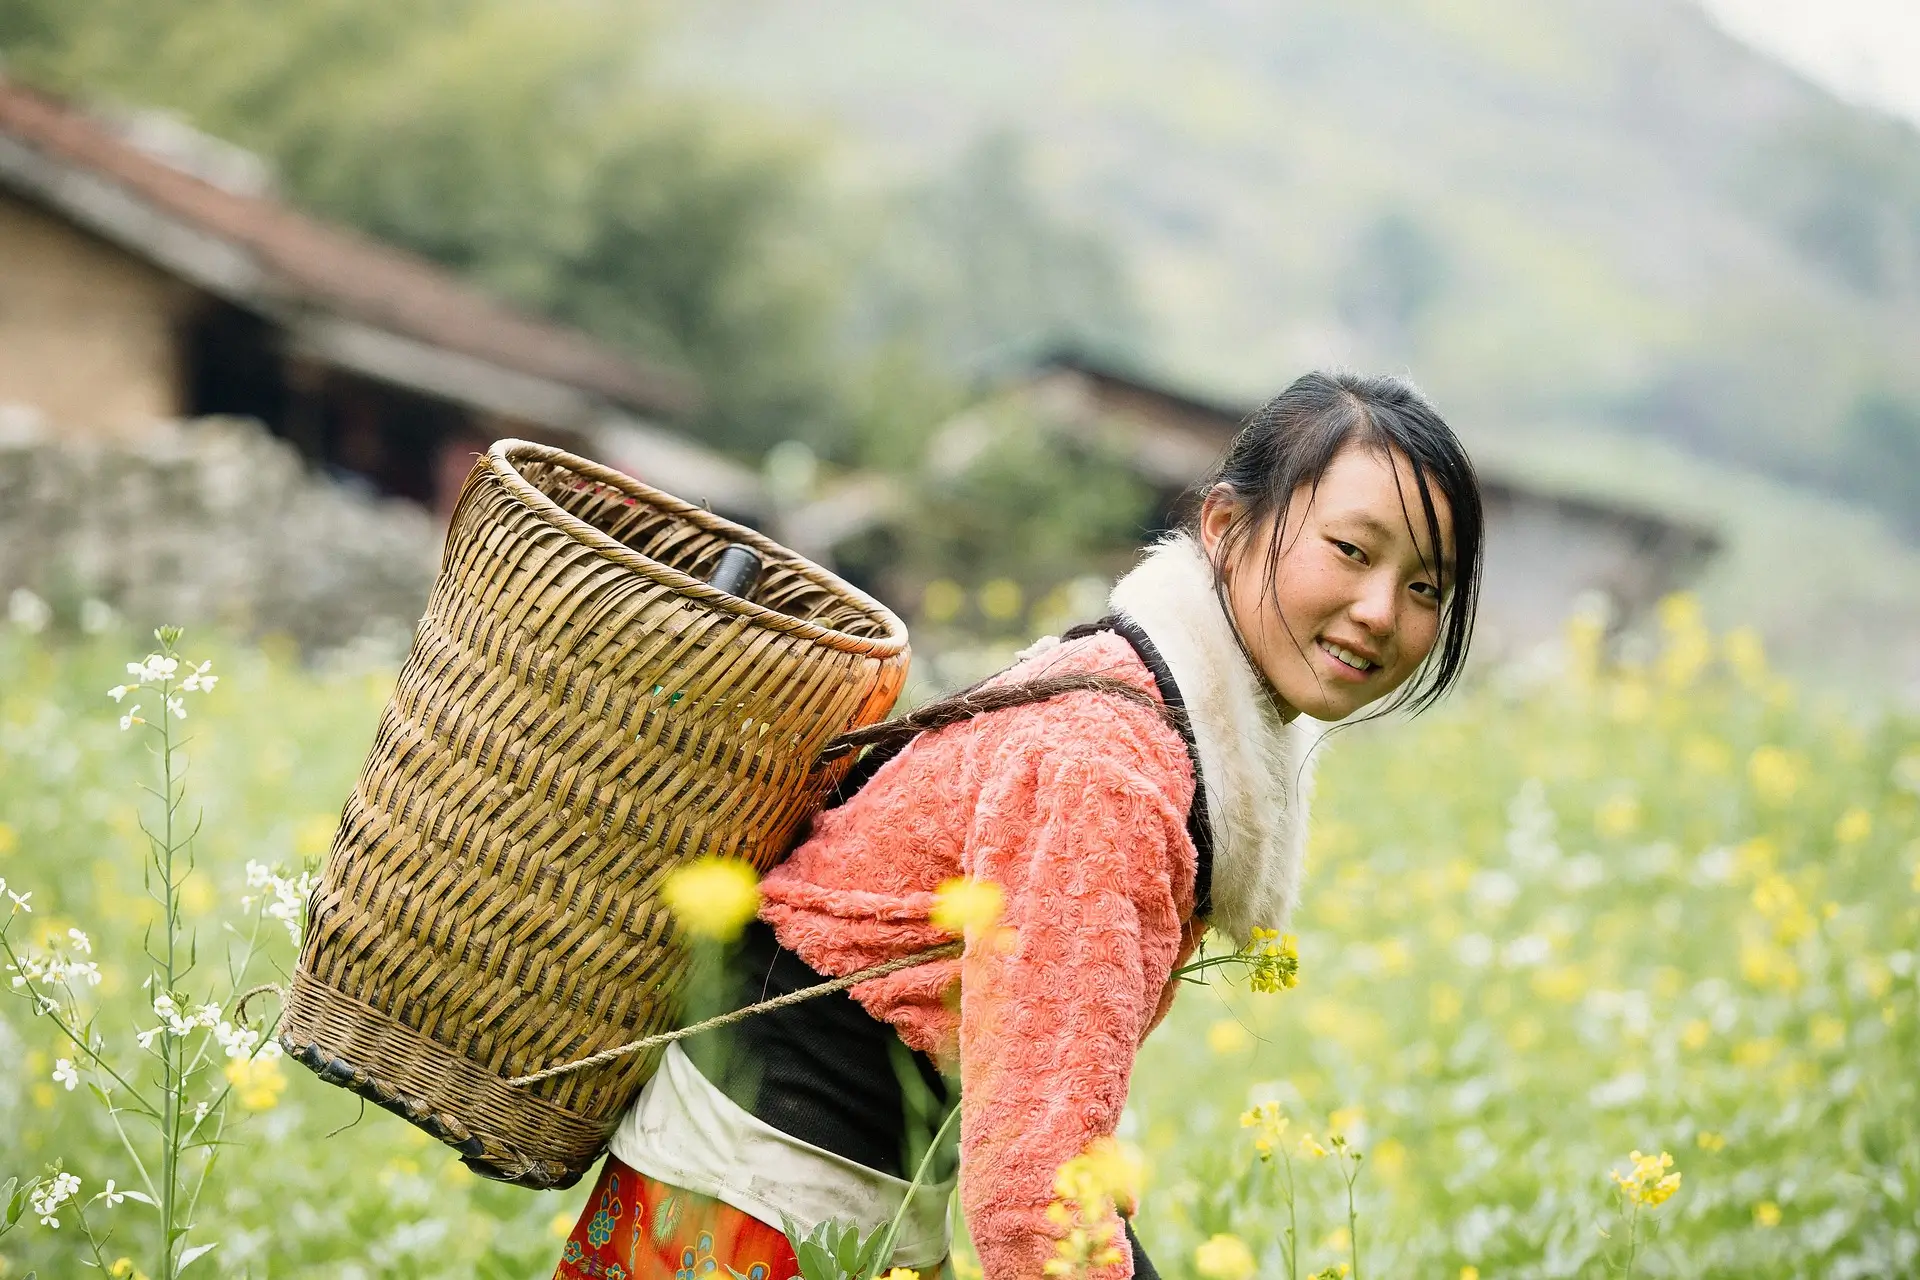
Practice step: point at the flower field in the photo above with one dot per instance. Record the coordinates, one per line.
(1571, 915)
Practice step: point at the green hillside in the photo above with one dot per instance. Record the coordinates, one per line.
(1605, 210)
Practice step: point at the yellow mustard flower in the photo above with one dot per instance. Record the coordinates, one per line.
(1001, 599)
(942, 600)
(1711, 1141)
(1469, 1273)
(257, 1082)
(1309, 1149)
(1269, 1126)
(1618, 816)
(963, 905)
(1224, 1257)
(713, 897)
(1766, 1214)
(560, 1225)
(901, 1273)
(1775, 774)
(1226, 1036)
(1649, 1184)
(1276, 961)
(1855, 825)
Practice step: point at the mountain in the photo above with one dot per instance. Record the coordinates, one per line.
(1606, 211)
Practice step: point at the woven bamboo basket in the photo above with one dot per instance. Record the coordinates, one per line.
(580, 714)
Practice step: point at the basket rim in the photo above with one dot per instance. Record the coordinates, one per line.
(501, 461)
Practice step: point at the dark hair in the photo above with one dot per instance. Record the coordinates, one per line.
(1290, 441)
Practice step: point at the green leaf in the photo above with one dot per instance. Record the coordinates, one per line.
(846, 1250)
(193, 1253)
(870, 1260)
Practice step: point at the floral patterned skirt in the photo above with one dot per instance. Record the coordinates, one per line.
(635, 1228)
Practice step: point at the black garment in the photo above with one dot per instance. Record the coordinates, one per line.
(825, 1070)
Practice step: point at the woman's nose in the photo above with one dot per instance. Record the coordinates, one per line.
(1376, 607)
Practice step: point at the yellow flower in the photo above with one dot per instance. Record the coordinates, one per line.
(1309, 1149)
(1775, 774)
(1224, 1257)
(1695, 1034)
(121, 1267)
(1444, 1002)
(1618, 816)
(560, 1225)
(963, 905)
(1766, 1214)
(1854, 826)
(257, 1082)
(1227, 1036)
(901, 1273)
(9, 839)
(1827, 1031)
(1469, 1273)
(1269, 1126)
(1000, 599)
(1747, 655)
(1276, 961)
(942, 600)
(713, 897)
(1649, 1183)
(1710, 1141)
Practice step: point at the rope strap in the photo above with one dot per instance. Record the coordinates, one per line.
(941, 952)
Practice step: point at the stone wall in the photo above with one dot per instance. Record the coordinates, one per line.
(208, 522)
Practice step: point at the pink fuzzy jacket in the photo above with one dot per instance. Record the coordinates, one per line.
(1077, 808)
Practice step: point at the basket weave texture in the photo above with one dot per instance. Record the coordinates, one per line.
(580, 714)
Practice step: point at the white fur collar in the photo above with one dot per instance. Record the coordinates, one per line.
(1255, 767)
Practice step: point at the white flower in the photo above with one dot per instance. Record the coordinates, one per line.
(111, 1196)
(84, 969)
(199, 679)
(156, 669)
(145, 1038)
(207, 1015)
(119, 691)
(20, 900)
(258, 873)
(178, 706)
(45, 1005)
(63, 1073)
(237, 1041)
(81, 942)
(132, 717)
(200, 1110)
(28, 611)
(49, 1196)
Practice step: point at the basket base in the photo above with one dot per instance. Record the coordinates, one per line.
(502, 1133)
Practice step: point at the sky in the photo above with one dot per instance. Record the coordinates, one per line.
(1867, 51)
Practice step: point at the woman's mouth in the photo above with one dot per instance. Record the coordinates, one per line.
(1357, 666)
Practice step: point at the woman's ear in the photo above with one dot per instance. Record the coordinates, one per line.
(1217, 512)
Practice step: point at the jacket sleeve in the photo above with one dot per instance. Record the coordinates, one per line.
(1053, 1012)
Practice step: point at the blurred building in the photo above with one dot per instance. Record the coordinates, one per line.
(147, 274)
(1547, 553)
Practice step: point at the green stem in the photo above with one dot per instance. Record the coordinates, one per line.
(32, 993)
(883, 1256)
(1353, 1219)
(1293, 1224)
(172, 1076)
(1633, 1233)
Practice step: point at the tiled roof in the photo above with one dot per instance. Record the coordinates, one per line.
(311, 265)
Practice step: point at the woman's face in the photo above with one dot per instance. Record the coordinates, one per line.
(1354, 605)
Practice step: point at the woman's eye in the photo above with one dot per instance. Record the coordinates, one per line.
(1350, 551)
(1426, 589)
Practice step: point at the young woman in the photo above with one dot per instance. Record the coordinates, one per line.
(1332, 562)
